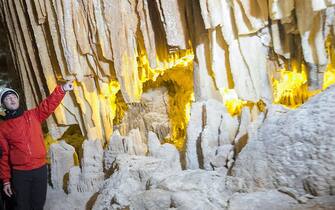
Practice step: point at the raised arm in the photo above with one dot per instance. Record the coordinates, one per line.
(48, 105)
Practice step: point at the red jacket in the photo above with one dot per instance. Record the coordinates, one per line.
(21, 138)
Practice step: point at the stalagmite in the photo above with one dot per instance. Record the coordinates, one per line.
(213, 127)
(90, 176)
(62, 160)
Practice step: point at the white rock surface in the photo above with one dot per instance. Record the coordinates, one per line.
(265, 200)
(57, 200)
(135, 144)
(245, 120)
(222, 156)
(166, 151)
(131, 176)
(210, 127)
(90, 177)
(190, 189)
(294, 149)
(131, 144)
(61, 160)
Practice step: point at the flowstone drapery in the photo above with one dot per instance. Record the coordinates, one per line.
(116, 50)
(199, 77)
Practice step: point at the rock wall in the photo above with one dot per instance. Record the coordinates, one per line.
(117, 50)
(288, 163)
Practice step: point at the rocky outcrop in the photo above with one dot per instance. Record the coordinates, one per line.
(287, 163)
(261, 200)
(295, 149)
(131, 175)
(131, 144)
(150, 114)
(90, 176)
(210, 135)
(62, 160)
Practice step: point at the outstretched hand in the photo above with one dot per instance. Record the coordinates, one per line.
(68, 86)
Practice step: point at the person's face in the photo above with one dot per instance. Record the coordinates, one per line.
(11, 102)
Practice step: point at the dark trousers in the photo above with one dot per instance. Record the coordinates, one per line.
(2, 203)
(7, 203)
(30, 188)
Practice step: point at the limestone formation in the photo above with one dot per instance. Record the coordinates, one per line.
(115, 51)
(295, 149)
(89, 177)
(166, 151)
(130, 176)
(131, 144)
(62, 160)
(284, 165)
(210, 128)
(261, 200)
(167, 85)
(150, 114)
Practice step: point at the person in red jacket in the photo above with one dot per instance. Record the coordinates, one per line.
(23, 167)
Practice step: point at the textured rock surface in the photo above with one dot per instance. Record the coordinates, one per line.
(295, 149)
(90, 176)
(132, 61)
(191, 189)
(261, 200)
(166, 151)
(114, 50)
(147, 182)
(151, 114)
(61, 160)
(210, 127)
(131, 144)
(318, 203)
(270, 172)
(131, 176)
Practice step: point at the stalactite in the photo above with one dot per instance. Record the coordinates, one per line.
(114, 50)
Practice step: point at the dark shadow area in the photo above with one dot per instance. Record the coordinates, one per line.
(9, 77)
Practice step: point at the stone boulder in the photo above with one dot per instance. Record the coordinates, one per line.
(265, 200)
(130, 176)
(190, 189)
(166, 151)
(294, 149)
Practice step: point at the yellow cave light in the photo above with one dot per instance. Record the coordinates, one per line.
(329, 76)
(178, 59)
(113, 89)
(231, 101)
(176, 73)
(291, 89)
(181, 94)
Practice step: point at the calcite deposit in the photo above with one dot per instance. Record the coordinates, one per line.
(115, 49)
(183, 104)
